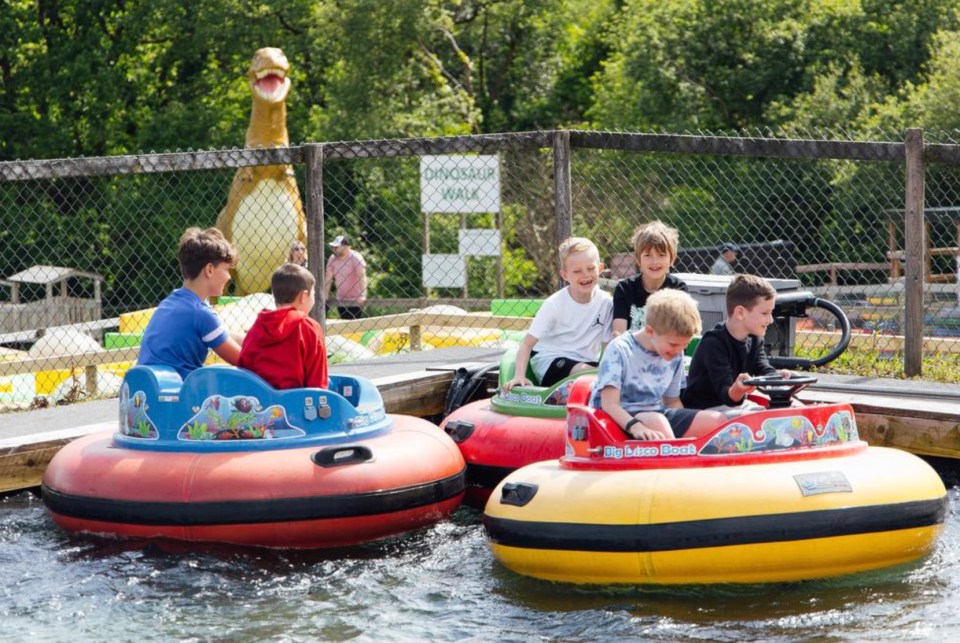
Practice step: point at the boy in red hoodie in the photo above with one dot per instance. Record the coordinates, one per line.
(285, 346)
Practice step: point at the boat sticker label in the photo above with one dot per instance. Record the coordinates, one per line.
(241, 417)
(521, 398)
(134, 419)
(648, 451)
(812, 484)
(366, 419)
(781, 433)
(561, 394)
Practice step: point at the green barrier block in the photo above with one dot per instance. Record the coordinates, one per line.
(121, 340)
(369, 336)
(229, 299)
(515, 307)
(692, 346)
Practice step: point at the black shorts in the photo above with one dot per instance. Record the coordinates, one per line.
(680, 419)
(350, 312)
(559, 369)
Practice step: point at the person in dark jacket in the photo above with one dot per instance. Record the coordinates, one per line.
(732, 352)
(285, 346)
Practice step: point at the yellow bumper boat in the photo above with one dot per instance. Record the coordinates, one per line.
(782, 494)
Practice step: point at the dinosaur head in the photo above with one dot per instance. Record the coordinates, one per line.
(268, 75)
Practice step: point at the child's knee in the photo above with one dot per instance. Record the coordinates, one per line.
(715, 417)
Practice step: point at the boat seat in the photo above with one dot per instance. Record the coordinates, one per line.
(580, 391)
(161, 405)
(508, 366)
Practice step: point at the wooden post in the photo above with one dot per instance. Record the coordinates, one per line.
(956, 263)
(892, 245)
(316, 241)
(90, 370)
(466, 290)
(426, 248)
(563, 206)
(498, 217)
(915, 249)
(415, 339)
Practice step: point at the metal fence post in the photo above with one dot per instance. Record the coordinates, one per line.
(561, 178)
(563, 201)
(915, 248)
(313, 156)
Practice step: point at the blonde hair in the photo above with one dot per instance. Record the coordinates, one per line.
(297, 245)
(573, 245)
(657, 235)
(747, 291)
(673, 312)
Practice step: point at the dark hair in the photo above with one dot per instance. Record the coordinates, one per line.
(746, 290)
(199, 247)
(288, 281)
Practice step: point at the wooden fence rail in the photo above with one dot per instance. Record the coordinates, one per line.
(413, 323)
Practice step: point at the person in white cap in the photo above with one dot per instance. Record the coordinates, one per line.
(347, 270)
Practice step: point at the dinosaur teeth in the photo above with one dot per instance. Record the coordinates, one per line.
(271, 72)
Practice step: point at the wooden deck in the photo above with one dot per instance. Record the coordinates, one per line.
(916, 416)
(411, 384)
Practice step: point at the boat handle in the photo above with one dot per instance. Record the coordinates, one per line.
(517, 493)
(341, 455)
(459, 430)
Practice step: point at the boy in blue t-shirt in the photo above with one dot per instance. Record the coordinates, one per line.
(184, 326)
(638, 384)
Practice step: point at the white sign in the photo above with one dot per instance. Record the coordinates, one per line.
(480, 243)
(459, 183)
(444, 271)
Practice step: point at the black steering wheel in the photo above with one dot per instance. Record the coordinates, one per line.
(780, 389)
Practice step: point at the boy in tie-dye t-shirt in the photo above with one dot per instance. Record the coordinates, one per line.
(641, 373)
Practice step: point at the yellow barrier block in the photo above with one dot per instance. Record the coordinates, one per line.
(136, 321)
(390, 341)
(117, 368)
(452, 338)
(46, 382)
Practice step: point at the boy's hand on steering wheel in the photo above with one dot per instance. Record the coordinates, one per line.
(740, 387)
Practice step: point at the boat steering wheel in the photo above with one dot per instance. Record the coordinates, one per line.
(780, 389)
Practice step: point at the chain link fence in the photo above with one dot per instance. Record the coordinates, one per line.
(459, 237)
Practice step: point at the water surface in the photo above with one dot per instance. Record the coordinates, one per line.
(438, 584)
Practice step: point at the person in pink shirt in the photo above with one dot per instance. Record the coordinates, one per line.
(348, 271)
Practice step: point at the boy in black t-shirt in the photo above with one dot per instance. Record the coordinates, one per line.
(655, 249)
(733, 351)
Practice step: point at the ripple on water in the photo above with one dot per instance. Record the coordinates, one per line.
(438, 584)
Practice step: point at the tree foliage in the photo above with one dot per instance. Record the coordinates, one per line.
(107, 77)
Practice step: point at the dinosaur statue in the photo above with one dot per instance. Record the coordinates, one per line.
(264, 214)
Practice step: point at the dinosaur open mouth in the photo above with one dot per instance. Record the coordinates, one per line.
(272, 84)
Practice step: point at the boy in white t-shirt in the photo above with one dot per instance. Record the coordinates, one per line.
(573, 323)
